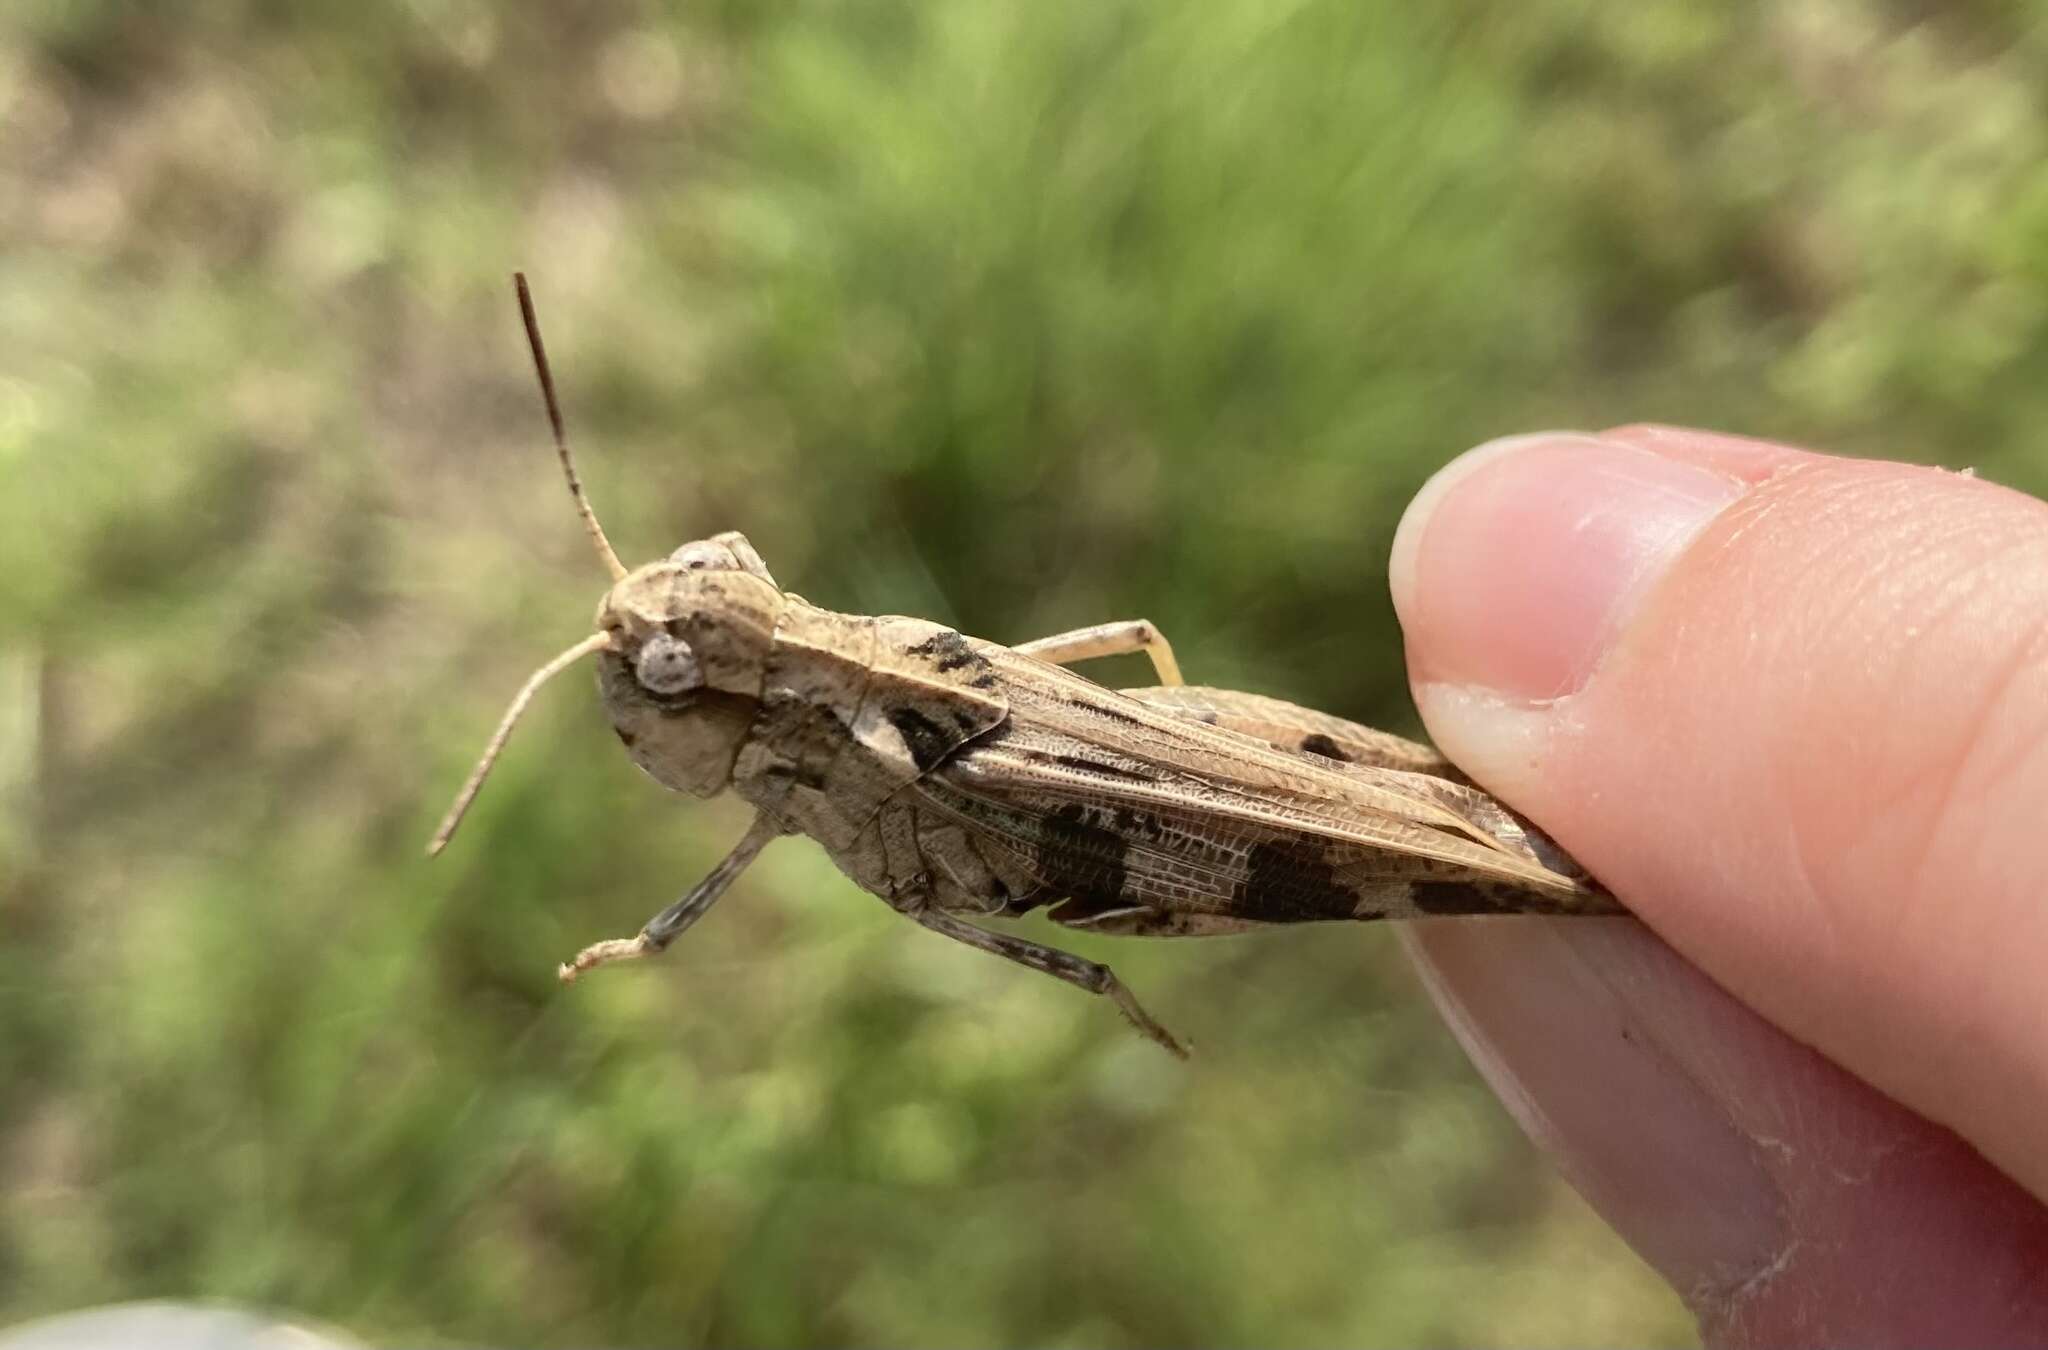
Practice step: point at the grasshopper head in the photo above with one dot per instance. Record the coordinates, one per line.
(686, 642)
(682, 644)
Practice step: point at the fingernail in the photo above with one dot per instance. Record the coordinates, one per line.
(1515, 567)
(1607, 1049)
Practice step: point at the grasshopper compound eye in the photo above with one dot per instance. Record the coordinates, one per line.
(705, 555)
(665, 665)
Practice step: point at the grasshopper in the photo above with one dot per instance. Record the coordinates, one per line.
(961, 780)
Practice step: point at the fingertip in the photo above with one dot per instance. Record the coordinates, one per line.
(1745, 458)
(1790, 709)
(1402, 562)
(1517, 564)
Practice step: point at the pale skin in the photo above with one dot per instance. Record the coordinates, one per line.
(1793, 709)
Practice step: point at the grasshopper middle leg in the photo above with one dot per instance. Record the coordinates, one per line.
(1089, 975)
(664, 927)
(1108, 639)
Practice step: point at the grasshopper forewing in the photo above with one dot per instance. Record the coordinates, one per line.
(961, 780)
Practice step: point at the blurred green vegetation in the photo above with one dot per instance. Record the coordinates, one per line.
(1015, 316)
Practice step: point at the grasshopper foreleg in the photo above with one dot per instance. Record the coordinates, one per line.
(663, 928)
(1108, 639)
(1089, 975)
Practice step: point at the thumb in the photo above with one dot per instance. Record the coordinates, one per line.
(1790, 709)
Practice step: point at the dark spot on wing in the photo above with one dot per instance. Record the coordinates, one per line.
(950, 652)
(1452, 897)
(1101, 770)
(927, 743)
(1077, 857)
(1138, 823)
(1289, 881)
(946, 647)
(1319, 744)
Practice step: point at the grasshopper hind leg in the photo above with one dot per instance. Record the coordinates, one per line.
(1108, 639)
(1090, 975)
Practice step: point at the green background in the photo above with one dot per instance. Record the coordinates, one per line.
(1017, 316)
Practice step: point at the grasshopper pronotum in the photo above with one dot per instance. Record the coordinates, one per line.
(959, 779)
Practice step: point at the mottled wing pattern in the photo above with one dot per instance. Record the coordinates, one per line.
(1289, 726)
(1145, 816)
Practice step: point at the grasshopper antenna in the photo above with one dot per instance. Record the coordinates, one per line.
(547, 393)
(596, 642)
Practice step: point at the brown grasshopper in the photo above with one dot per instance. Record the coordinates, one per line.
(959, 779)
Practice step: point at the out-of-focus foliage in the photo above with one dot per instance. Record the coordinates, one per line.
(1019, 316)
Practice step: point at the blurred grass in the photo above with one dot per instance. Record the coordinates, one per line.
(1018, 317)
